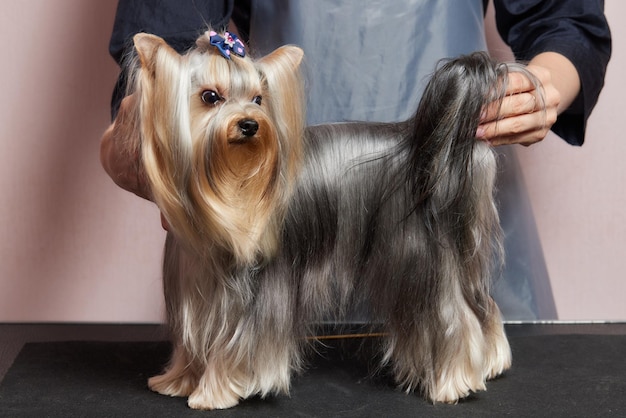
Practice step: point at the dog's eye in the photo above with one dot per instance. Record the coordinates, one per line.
(257, 100)
(210, 97)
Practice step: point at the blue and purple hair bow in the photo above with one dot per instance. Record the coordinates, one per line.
(227, 44)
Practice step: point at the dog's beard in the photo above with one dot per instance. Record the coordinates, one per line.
(234, 186)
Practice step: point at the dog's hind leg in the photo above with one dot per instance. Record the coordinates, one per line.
(497, 349)
(443, 356)
(178, 379)
(459, 361)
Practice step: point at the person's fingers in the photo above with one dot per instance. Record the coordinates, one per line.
(516, 104)
(525, 115)
(517, 82)
(524, 129)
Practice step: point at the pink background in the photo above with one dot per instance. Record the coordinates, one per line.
(76, 248)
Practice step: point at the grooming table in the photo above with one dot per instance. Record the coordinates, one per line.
(569, 370)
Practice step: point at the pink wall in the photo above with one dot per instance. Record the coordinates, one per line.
(76, 248)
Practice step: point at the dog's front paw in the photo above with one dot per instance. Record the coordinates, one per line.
(207, 400)
(169, 385)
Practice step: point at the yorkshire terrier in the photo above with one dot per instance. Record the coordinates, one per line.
(274, 228)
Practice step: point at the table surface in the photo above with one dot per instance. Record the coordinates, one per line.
(14, 336)
(100, 370)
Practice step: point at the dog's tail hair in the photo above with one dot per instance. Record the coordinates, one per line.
(452, 174)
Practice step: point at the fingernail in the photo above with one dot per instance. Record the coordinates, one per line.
(480, 132)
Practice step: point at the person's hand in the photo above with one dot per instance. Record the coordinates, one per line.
(164, 224)
(119, 151)
(523, 117)
(119, 154)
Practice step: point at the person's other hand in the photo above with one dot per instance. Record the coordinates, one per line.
(119, 151)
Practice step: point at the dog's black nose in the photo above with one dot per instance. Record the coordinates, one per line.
(248, 127)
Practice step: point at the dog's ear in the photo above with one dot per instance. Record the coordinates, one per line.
(148, 47)
(287, 56)
(285, 91)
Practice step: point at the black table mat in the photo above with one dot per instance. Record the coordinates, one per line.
(552, 376)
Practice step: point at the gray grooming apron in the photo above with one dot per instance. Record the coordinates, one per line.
(370, 60)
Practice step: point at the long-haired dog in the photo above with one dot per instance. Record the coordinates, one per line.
(274, 228)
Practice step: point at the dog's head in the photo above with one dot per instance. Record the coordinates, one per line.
(220, 138)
